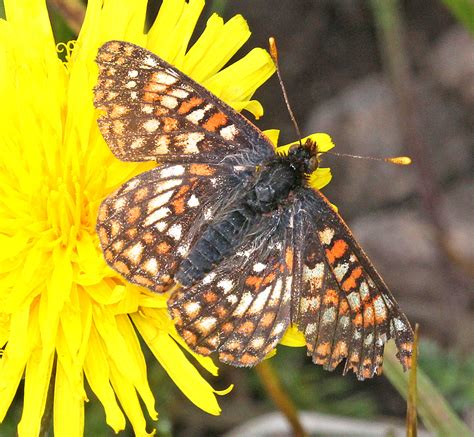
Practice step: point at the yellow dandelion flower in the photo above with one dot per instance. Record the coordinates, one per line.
(64, 314)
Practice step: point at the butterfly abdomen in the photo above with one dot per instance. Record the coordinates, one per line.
(223, 236)
(217, 242)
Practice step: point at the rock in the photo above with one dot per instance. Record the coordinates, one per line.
(362, 120)
(403, 248)
(452, 62)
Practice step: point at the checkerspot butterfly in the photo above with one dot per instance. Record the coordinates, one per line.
(253, 248)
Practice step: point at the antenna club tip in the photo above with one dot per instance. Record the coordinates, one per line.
(273, 48)
(400, 160)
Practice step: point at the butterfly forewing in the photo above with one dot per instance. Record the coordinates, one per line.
(152, 111)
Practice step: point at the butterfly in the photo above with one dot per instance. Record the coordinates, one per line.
(247, 247)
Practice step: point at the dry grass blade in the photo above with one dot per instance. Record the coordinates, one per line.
(272, 386)
(412, 418)
(434, 410)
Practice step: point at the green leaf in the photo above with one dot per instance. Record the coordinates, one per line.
(463, 10)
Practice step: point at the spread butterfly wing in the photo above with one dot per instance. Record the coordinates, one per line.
(340, 303)
(147, 226)
(242, 308)
(152, 111)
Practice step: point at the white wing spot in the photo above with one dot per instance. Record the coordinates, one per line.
(169, 102)
(179, 93)
(244, 303)
(364, 290)
(175, 231)
(167, 185)
(190, 142)
(340, 270)
(137, 143)
(329, 316)
(257, 342)
(134, 253)
(196, 116)
(159, 200)
(258, 267)
(151, 266)
(226, 285)
(232, 299)
(354, 300)
(151, 125)
(192, 308)
(228, 132)
(260, 301)
(193, 201)
(165, 78)
(380, 310)
(147, 109)
(157, 215)
(206, 324)
(150, 61)
(161, 145)
(134, 183)
(175, 170)
(130, 84)
(133, 73)
(208, 278)
(120, 203)
(326, 236)
(161, 226)
(399, 324)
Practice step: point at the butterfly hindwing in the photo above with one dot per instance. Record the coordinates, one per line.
(152, 111)
(147, 225)
(242, 308)
(344, 308)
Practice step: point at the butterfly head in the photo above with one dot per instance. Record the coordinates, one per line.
(304, 157)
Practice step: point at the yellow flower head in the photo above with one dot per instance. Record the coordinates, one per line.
(63, 312)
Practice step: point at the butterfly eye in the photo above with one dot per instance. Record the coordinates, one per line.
(313, 164)
(293, 149)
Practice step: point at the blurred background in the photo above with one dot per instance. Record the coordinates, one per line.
(383, 78)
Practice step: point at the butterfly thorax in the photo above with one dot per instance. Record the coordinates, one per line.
(273, 183)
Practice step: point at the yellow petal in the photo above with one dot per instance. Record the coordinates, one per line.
(14, 359)
(163, 321)
(252, 106)
(97, 371)
(215, 47)
(129, 401)
(37, 381)
(181, 371)
(68, 414)
(52, 302)
(32, 17)
(272, 135)
(170, 34)
(252, 70)
(141, 383)
(320, 178)
(293, 338)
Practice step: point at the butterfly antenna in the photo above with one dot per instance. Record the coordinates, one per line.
(274, 55)
(397, 160)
